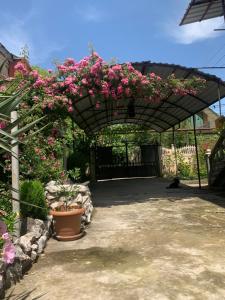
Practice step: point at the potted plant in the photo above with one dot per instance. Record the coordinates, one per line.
(67, 215)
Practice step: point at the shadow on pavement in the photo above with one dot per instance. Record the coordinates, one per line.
(107, 193)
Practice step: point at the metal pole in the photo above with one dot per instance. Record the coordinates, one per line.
(15, 177)
(219, 97)
(175, 150)
(196, 150)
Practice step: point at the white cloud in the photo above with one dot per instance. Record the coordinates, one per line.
(14, 36)
(191, 33)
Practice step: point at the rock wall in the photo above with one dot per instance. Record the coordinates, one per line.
(82, 197)
(28, 247)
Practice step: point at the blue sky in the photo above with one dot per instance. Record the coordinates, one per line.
(128, 30)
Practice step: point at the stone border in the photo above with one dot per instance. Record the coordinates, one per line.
(28, 248)
(82, 197)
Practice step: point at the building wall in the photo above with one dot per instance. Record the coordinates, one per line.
(10, 61)
(6, 58)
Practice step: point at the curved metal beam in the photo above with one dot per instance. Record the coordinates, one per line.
(199, 99)
(138, 107)
(164, 128)
(118, 121)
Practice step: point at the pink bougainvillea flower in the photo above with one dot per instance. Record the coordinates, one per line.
(9, 252)
(39, 83)
(125, 81)
(36, 99)
(91, 92)
(6, 236)
(98, 105)
(21, 68)
(120, 89)
(117, 68)
(51, 140)
(34, 74)
(2, 88)
(50, 105)
(84, 81)
(98, 79)
(152, 75)
(69, 80)
(2, 124)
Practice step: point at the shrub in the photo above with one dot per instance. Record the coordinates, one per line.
(32, 192)
(5, 199)
(184, 170)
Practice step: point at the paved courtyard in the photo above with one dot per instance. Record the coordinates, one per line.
(145, 242)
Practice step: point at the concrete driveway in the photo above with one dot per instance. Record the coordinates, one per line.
(145, 242)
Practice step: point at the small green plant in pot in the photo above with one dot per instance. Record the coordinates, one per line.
(67, 215)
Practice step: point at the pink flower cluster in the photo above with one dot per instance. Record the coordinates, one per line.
(8, 251)
(2, 124)
(92, 77)
(21, 68)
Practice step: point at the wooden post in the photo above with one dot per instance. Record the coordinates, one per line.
(196, 150)
(15, 177)
(207, 158)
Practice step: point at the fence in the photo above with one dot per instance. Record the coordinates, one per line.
(186, 156)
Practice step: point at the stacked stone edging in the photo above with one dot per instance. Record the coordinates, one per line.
(83, 197)
(28, 247)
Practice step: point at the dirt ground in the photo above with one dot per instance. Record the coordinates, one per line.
(145, 242)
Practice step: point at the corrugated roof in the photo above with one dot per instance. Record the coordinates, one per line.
(159, 117)
(199, 10)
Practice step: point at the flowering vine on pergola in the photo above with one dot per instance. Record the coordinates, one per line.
(103, 83)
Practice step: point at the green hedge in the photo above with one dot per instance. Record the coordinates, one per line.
(33, 192)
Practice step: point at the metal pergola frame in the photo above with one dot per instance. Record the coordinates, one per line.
(159, 117)
(199, 10)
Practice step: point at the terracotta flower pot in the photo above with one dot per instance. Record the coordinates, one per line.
(67, 224)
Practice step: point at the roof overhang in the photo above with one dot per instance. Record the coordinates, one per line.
(199, 10)
(159, 116)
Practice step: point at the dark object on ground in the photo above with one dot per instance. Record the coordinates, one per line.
(175, 184)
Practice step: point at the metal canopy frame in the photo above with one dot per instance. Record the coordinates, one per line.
(199, 10)
(158, 116)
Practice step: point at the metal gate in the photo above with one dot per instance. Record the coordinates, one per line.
(128, 160)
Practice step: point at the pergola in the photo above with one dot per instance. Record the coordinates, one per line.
(158, 116)
(199, 10)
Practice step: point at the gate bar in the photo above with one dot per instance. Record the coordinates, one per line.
(196, 150)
